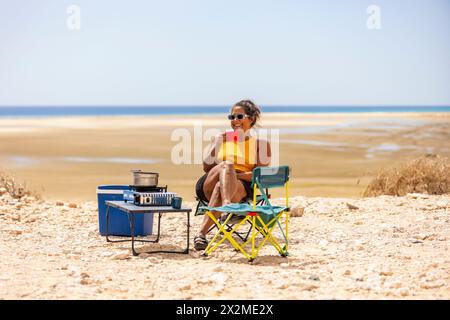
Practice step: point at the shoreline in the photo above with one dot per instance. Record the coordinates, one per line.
(330, 155)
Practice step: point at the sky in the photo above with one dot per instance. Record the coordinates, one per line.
(213, 52)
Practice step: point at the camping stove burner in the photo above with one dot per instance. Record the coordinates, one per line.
(148, 189)
(148, 196)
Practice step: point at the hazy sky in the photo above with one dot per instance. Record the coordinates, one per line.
(211, 52)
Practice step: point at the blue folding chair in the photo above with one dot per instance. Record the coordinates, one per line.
(262, 218)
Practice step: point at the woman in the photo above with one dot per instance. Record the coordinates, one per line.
(228, 167)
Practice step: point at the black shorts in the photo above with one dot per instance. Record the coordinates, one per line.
(201, 194)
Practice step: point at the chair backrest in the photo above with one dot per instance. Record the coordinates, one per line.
(270, 177)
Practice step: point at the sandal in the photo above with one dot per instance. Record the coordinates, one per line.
(200, 243)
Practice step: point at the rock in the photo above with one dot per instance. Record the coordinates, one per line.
(218, 269)
(185, 287)
(435, 285)
(144, 255)
(314, 277)
(3, 191)
(297, 212)
(282, 286)
(121, 256)
(417, 196)
(386, 273)
(30, 219)
(347, 273)
(404, 292)
(351, 207)
(284, 265)
(310, 287)
(73, 205)
(29, 199)
(59, 203)
(421, 236)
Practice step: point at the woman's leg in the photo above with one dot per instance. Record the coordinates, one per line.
(211, 180)
(215, 201)
(231, 188)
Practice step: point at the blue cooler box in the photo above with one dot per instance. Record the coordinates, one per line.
(119, 224)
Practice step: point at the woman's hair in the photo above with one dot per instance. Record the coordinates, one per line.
(250, 108)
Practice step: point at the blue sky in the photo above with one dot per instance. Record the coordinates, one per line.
(211, 52)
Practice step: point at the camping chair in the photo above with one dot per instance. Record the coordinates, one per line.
(262, 218)
(243, 236)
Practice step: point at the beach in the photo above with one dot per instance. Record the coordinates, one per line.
(342, 245)
(330, 154)
(371, 248)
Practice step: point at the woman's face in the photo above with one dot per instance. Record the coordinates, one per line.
(242, 124)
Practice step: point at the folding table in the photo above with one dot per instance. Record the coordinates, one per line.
(132, 209)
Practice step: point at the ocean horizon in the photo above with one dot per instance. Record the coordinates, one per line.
(55, 111)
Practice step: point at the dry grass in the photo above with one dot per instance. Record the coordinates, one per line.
(14, 188)
(429, 174)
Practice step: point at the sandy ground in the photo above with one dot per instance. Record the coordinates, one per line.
(386, 248)
(332, 155)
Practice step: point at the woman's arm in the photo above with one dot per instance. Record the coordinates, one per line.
(210, 160)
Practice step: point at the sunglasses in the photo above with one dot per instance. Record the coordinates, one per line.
(239, 116)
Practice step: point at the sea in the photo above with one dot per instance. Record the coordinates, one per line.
(55, 111)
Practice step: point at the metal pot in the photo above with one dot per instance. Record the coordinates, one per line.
(145, 179)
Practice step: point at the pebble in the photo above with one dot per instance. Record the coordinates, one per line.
(73, 205)
(351, 207)
(121, 256)
(404, 292)
(218, 269)
(185, 287)
(282, 286)
(59, 203)
(417, 196)
(314, 277)
(432, 285)
(297, 212)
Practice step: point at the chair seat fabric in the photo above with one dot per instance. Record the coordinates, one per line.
(245, 208)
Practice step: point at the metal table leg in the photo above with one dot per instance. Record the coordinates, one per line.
(131, 220)
(185, 251)
(132, 227)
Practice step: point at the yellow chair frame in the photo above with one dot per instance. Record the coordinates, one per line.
(254, 215)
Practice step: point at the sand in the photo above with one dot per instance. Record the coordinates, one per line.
(386, 248)
(332, 155)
